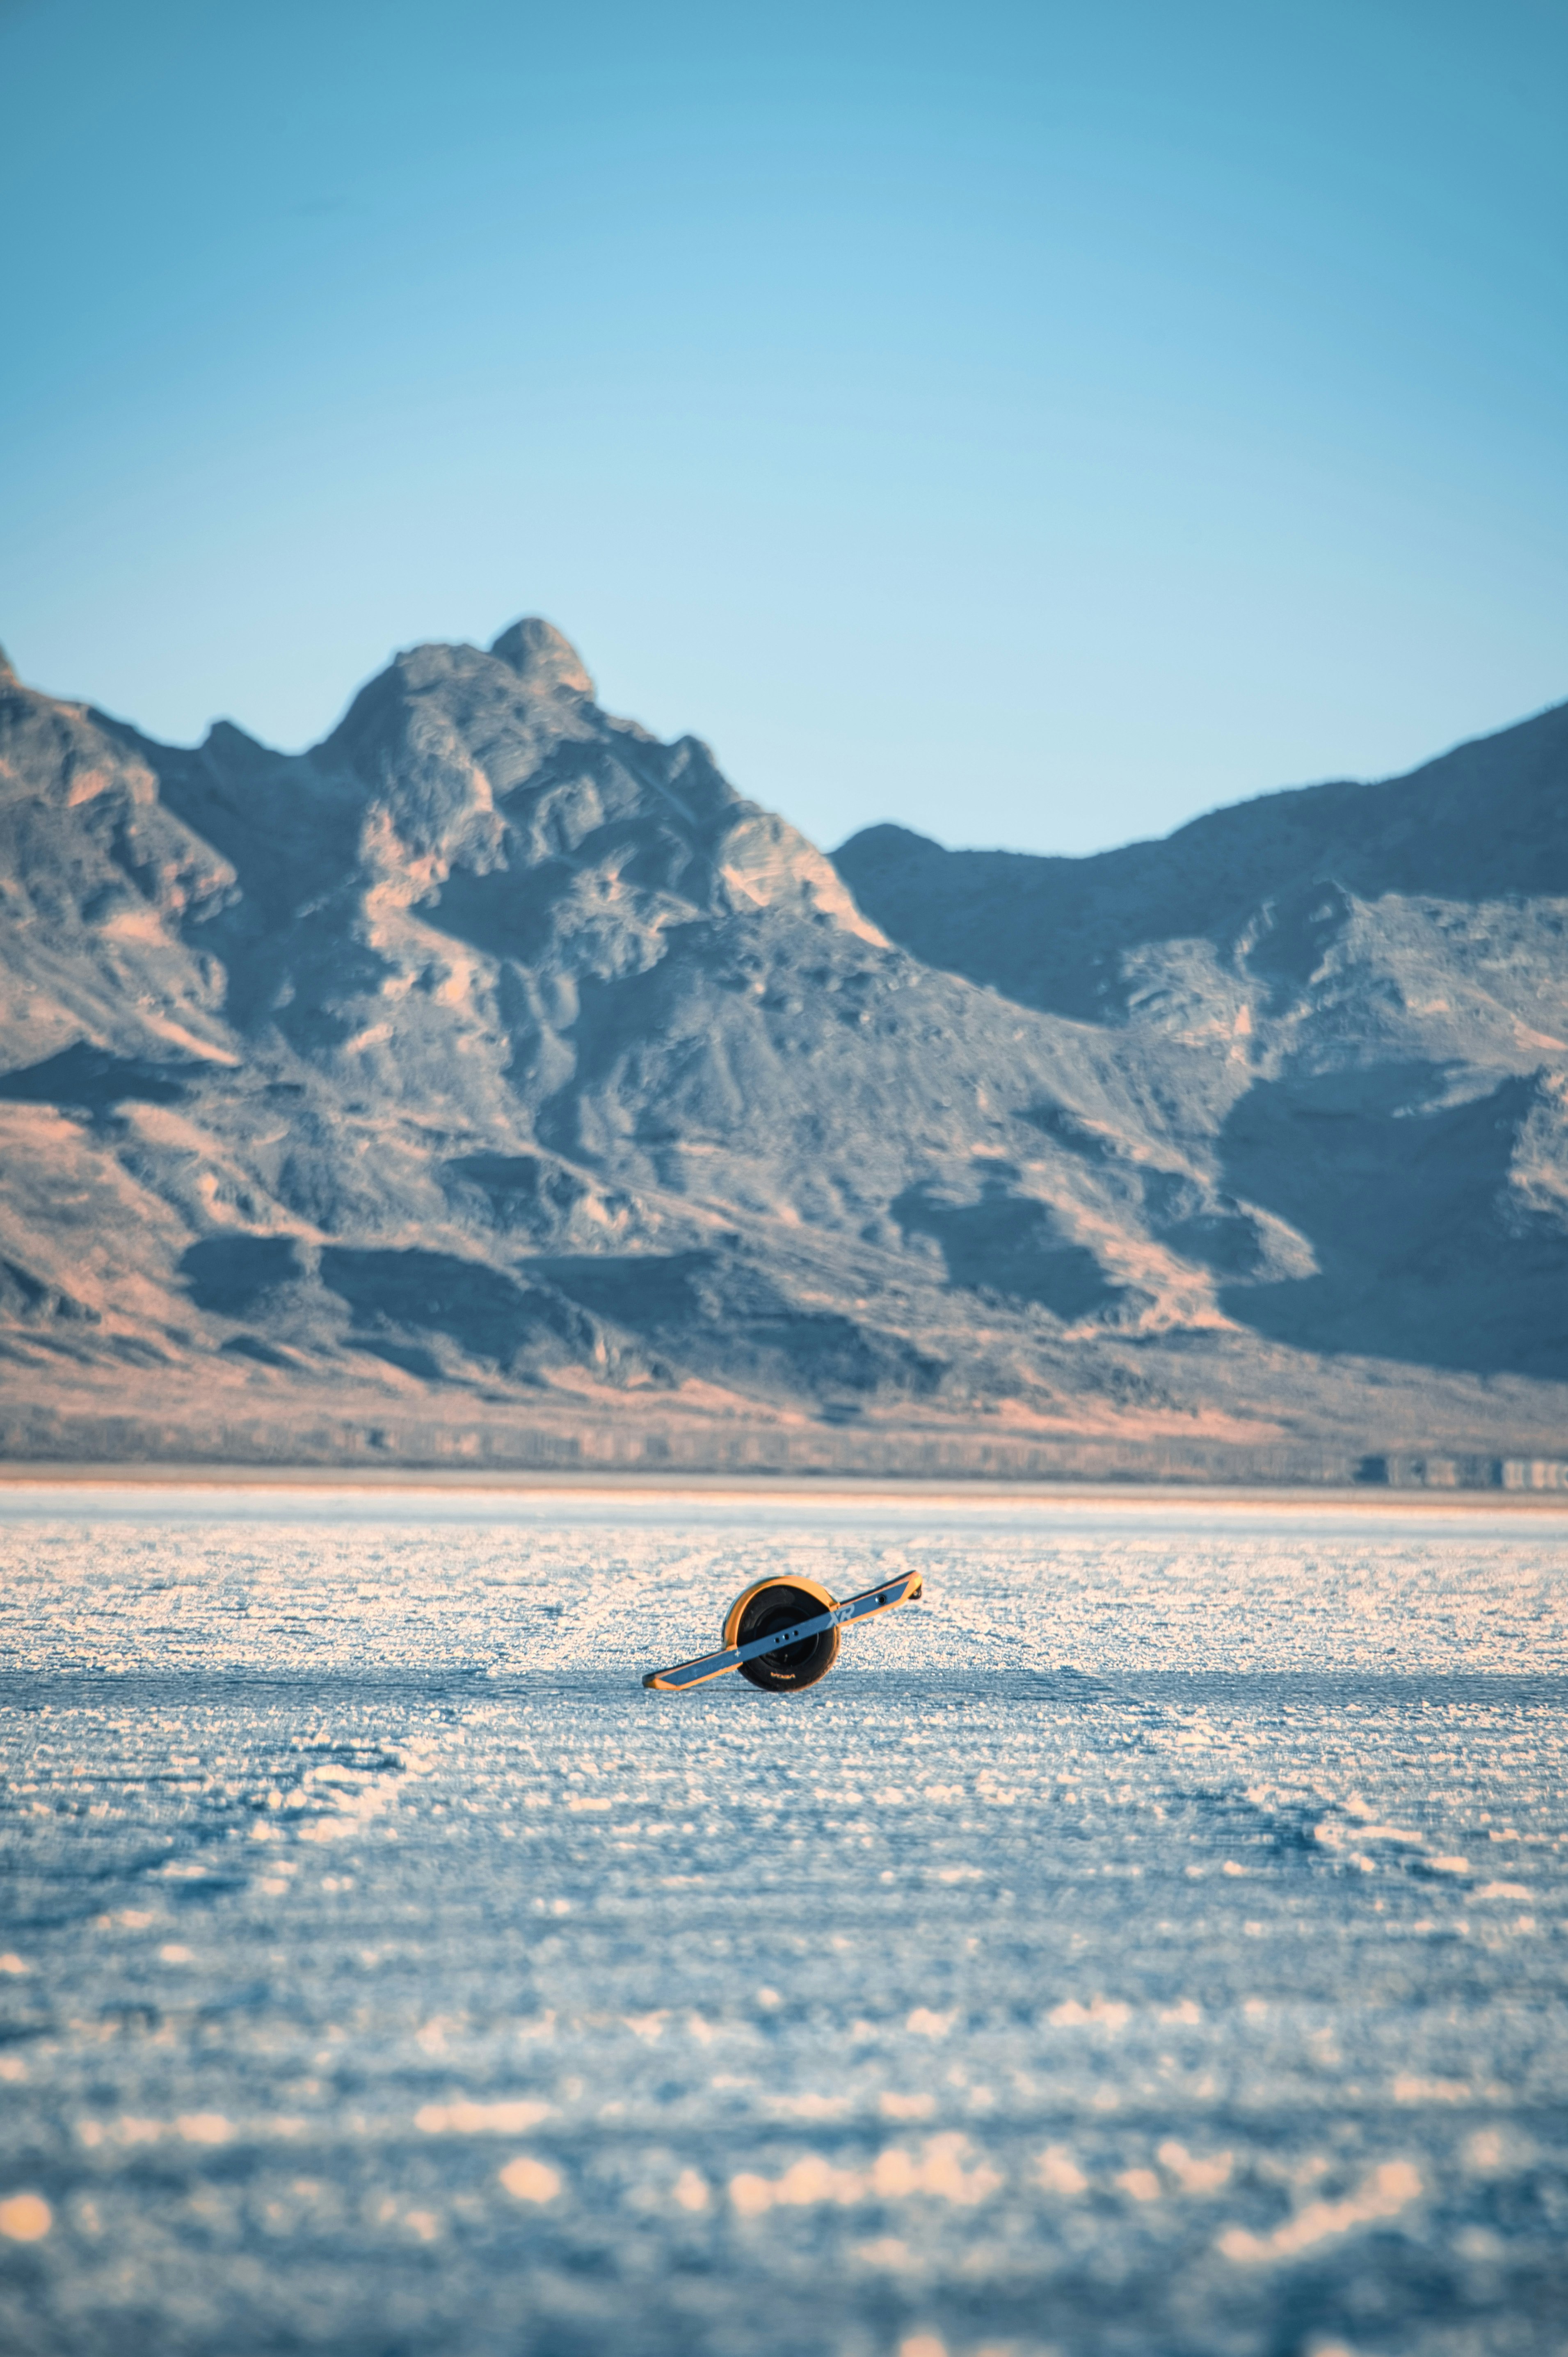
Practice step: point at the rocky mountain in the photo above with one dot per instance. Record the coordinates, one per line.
(1377, 979)
(494, 1083)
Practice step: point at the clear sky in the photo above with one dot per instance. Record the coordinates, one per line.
(1036, 423)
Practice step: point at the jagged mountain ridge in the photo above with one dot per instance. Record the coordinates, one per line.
(494, 1058)
(1485, 823)
(1391, 962)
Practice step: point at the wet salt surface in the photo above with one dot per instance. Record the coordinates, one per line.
(1155, 1942)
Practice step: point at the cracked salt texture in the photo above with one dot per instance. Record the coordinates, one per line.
(1154, 1941)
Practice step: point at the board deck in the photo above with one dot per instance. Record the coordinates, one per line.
(904, 1588)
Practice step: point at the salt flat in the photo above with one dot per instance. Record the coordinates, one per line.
(1155, 1941)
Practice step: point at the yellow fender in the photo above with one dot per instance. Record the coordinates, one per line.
(797, 1641)
(813, 1588)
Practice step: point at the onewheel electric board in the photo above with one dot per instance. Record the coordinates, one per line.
(784, 1635)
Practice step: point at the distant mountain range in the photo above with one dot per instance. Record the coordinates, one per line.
(493, 1084)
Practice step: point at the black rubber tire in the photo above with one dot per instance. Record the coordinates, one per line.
(793, 1667)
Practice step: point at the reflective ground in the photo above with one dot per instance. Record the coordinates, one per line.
(1155, 1942)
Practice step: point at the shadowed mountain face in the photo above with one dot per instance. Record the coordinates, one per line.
(1274, 882)
(1427, 1247)
(495, 1059)
(1381, 974)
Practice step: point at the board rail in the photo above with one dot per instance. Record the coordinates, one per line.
(904, 1588)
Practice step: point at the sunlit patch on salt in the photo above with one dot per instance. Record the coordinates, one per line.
(1409, 2087)
(465, 2119)
(192, 2128)
(1106, 2013)
(127, 2130)
(691, 2190)
(1390, 2188)
(1192, 2174)
(25, 2218)
(1056, 2171)
(204, 2128)
(13, 1963)
(528, 2179)
(1498, 2152)
(806, 2183)
(893, 2176)
(906, 2107)
(810, 2106)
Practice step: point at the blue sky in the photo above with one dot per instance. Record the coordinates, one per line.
(1036, 424)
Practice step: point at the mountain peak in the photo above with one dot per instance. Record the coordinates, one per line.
(8, 669)
(542, 659)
